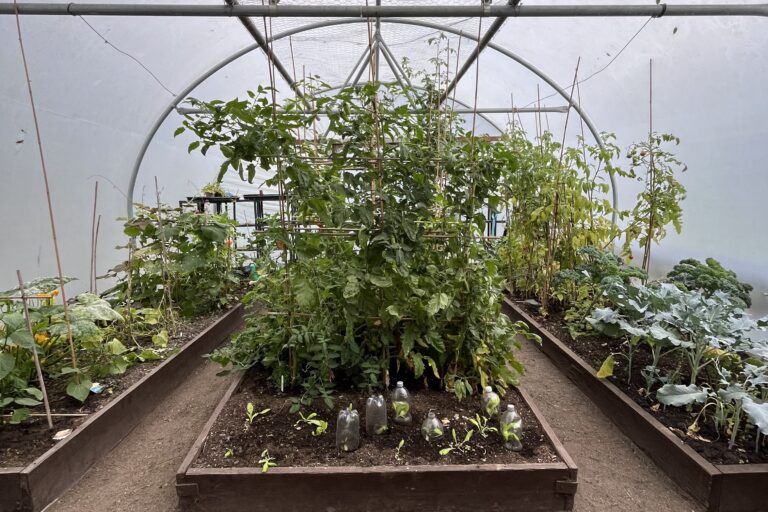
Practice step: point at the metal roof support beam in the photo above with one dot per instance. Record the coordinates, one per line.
(481, 45)
(384, 11)
(498, 110)
(360, 61)
(329, 23)
(262, 42)
(466, 106)
(374, 47)
(396, 69)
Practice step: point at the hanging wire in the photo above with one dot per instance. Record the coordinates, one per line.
(137, 61)
(607, 65)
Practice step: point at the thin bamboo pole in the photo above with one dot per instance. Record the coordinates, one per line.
(651, 174)
(38, 368)
(95, 247)
(92, 277)
(47, 197)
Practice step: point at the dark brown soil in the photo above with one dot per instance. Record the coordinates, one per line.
(293, 445)
(594, 349)
(22, 444)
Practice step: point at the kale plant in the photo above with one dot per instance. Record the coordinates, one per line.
(691, 274)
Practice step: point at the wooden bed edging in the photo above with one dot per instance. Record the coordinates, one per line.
(32, 488)
(480, 488)
(724, 488)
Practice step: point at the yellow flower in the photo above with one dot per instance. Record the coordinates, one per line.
(41, 338)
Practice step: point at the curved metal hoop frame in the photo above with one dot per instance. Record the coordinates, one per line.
(344, 21)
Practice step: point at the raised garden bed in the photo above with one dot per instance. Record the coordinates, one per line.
(312, 475)
(33, 487)
(723, 487)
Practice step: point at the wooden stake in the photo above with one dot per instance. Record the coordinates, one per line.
(38, 368)
(92, 283)
(48, 198)
(167, 286)
(95, 246)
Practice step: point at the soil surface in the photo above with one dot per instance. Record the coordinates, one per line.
(139, 474)
(707, 441)
(22, 444)
(292, 443)
(614, 475)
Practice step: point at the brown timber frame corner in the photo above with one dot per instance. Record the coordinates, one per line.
(723, 488)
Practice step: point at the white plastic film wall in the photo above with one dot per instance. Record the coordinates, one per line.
(95, 106)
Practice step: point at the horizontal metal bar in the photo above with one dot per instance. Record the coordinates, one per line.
(386, 11)
(500, 110)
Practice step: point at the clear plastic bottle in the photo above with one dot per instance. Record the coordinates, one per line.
(490, 402)
(375, 415)
(432, 428)
(401, 403)
(511, 428)
(348, 430)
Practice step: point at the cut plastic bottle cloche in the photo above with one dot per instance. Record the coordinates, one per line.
(401, 403)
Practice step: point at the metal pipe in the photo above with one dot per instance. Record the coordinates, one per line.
(474, 56)
(396, 69)
(490, 110)
(329, 23)
(358, 63)
(366, 63)
(384, 11)
(262, 42)
(466, 106)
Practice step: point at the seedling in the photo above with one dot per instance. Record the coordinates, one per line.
(481, 424)
(456, 445)
(313, 421)
(401, 409)
(508, 432)
(228, 453)
(266, 461)
(398, 448)
(251, 413)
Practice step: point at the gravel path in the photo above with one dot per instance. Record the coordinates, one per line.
(614, 475)
(139, 474)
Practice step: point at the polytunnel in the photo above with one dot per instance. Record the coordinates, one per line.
(427, 190)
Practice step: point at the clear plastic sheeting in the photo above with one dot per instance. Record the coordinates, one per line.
(97, 102)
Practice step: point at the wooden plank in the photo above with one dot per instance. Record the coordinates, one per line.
(10, 489)
(743, 488)
(490, 487)
(476, 488)
(56, 470)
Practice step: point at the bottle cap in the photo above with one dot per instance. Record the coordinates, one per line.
(399, 383)
(488, 389)
(430, 415)
(510, 407)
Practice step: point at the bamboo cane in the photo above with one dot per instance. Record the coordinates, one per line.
(38, 368)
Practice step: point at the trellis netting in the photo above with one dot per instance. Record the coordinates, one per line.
(102, 82)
